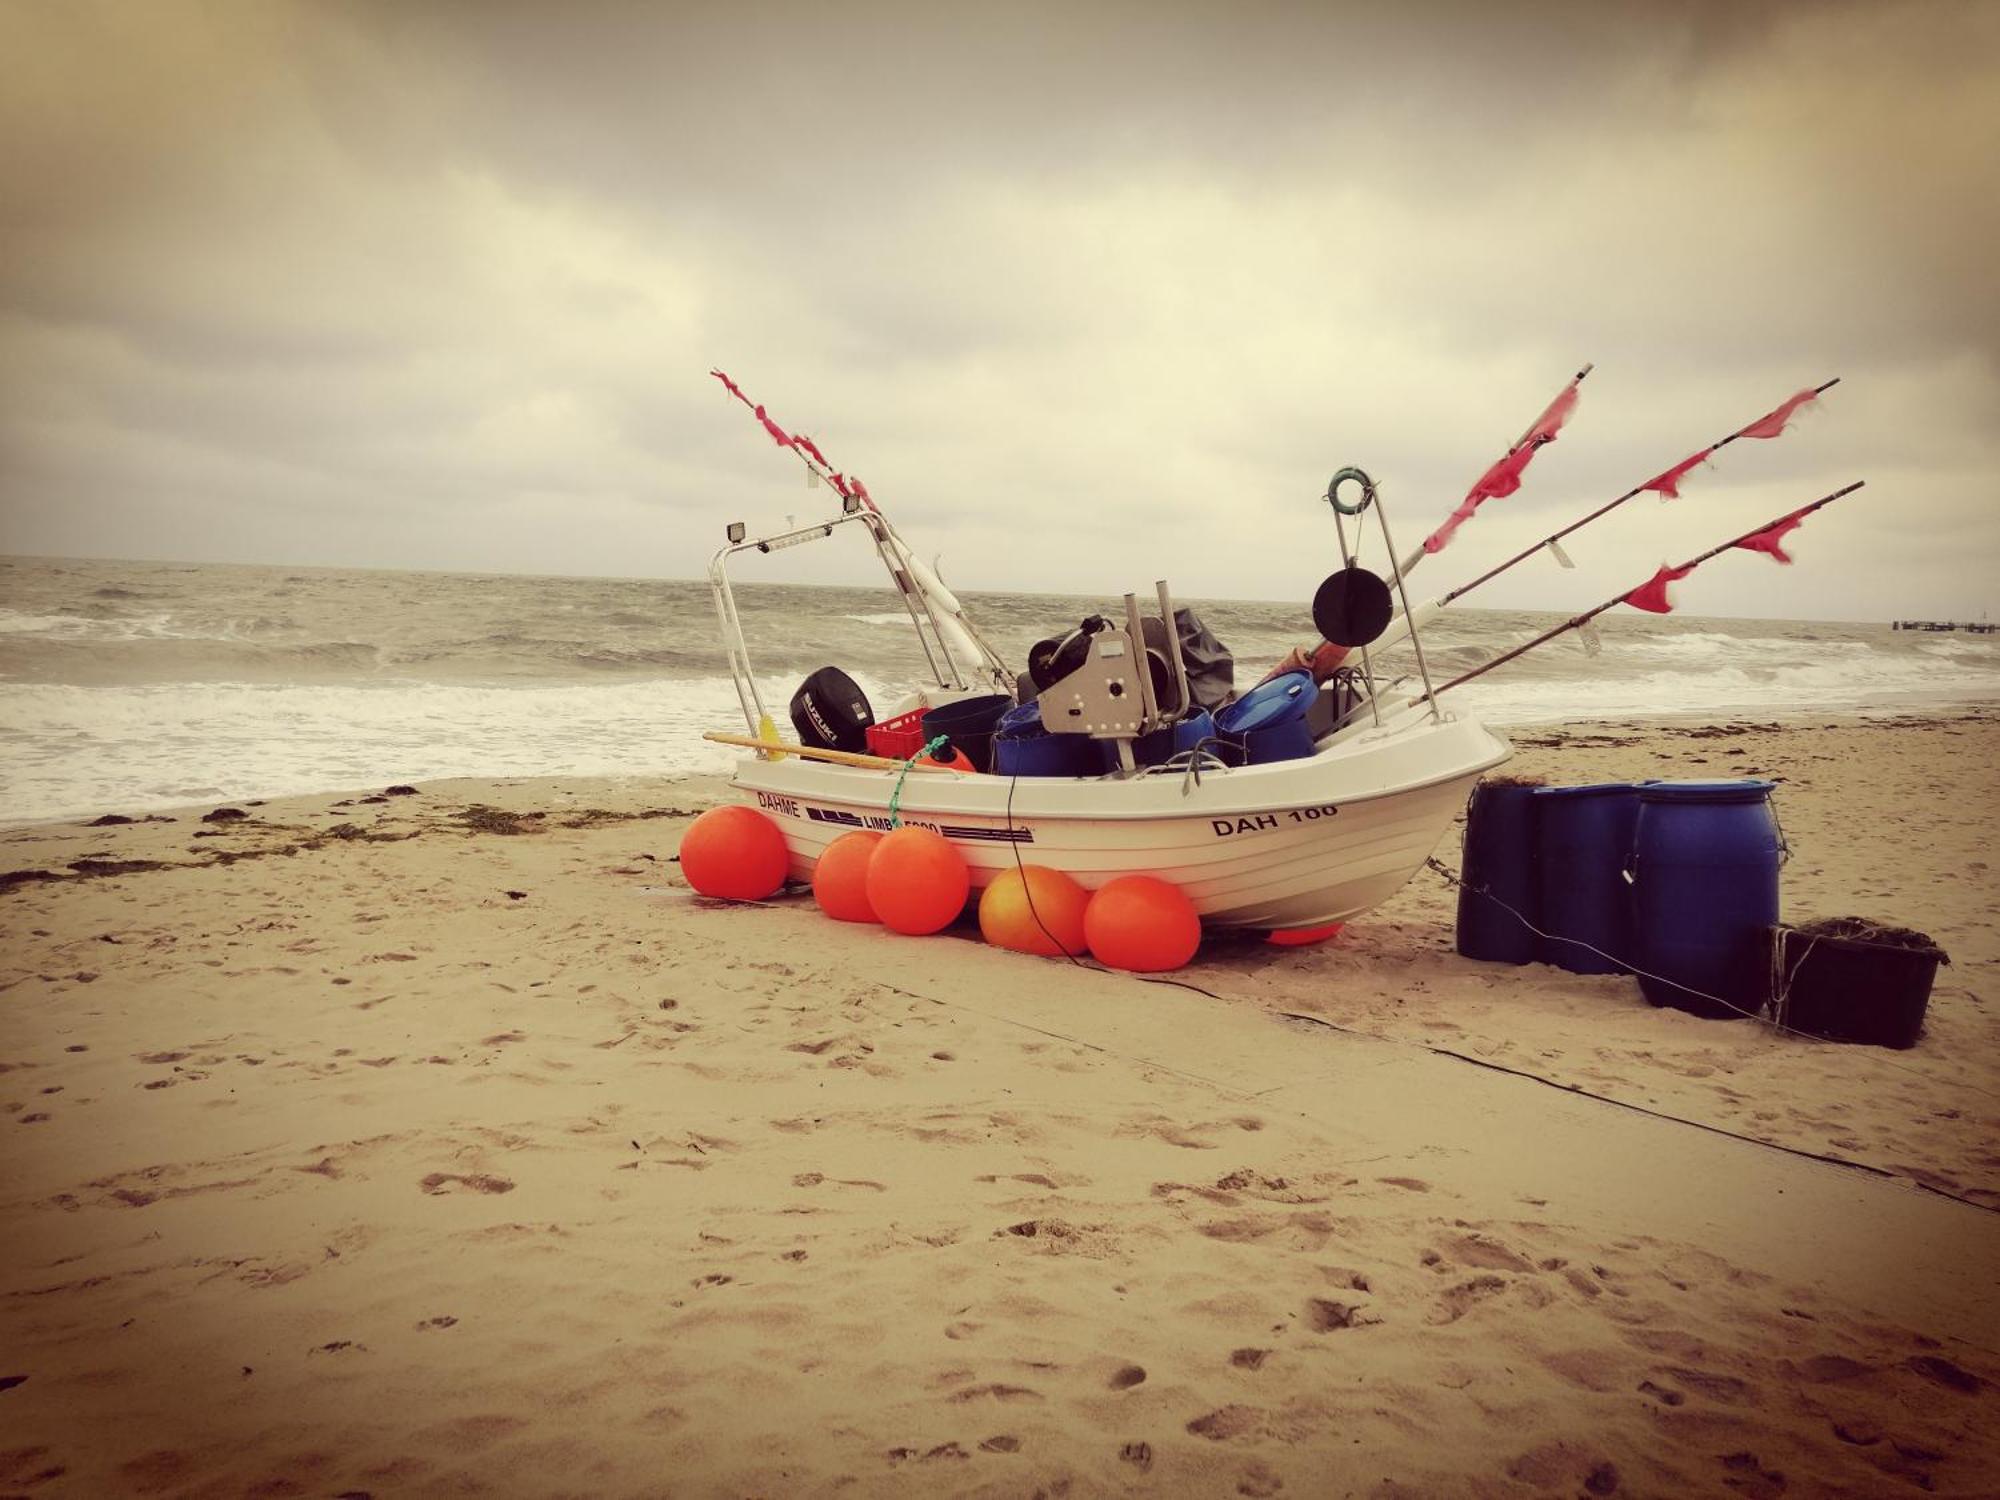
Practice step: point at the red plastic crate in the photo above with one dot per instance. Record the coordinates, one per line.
(898, 738)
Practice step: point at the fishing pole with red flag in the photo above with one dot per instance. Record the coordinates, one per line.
(1666, 484)
(1503, 478)
(924, 593)
(1652, 594)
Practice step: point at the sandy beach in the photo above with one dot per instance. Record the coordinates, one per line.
(442, 1142)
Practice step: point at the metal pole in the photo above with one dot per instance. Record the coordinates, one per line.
(1403, 593)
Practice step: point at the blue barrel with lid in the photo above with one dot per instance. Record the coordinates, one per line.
(1496, 890)
(1268, 723)
(1584, 839)
(1022, 747)
(1705, 859)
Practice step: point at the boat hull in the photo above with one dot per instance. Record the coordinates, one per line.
(1294, 844)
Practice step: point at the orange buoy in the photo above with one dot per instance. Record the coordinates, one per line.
(1300, 937)
(1034, 909)
(1140, 923)
(734, 852)
(840, 879)
(953, 759)
(917, 883)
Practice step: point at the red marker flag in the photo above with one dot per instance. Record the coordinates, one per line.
(806, 445)
(1772, 423)
(1504, 477)
(1551, 421)
(733, 388)
(1772, 538)
(1652, 595)
(1668, 485)
(778, 434)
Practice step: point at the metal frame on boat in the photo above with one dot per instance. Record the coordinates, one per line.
(1290, 844)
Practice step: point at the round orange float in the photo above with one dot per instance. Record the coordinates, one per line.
(1033, 909)
(1300, 937)
(734, 852)
(1143, 924)
(840, 879)
(917, 883)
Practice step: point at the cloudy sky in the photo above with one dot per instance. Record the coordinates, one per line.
(1089, 294)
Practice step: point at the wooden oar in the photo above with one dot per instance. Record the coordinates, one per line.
(813, 752)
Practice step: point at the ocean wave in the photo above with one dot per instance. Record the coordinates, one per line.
(131, 749)
(1961, 646)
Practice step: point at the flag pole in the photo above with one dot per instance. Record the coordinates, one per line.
(1555, 537)
(1692, 563)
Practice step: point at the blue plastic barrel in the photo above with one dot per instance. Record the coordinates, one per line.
(1497, 872)
(1705, 859)
(1584, 835)
(1022, 747)
(1268, 723)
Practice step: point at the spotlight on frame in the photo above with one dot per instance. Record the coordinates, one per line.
(735, 531)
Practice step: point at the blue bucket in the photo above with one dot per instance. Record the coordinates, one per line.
(1583, 841)
(1268, 723)
(1022, 747)
(1705, 859)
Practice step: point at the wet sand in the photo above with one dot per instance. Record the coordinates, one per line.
(443, 1143)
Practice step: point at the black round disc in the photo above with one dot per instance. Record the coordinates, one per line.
(1353, 607)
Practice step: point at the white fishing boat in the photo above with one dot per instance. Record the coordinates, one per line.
(1289, 844)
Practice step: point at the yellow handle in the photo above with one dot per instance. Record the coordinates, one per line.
(813, 752)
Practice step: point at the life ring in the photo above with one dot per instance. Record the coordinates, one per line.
(1360, 478)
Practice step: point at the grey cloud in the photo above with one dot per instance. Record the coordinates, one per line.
(1082, 293)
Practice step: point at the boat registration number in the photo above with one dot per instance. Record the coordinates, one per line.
(1224, 828)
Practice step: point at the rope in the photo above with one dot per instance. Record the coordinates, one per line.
(1570, 1088)
(896, 797)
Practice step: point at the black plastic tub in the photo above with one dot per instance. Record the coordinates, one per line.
(969, 725)
(1848, 980)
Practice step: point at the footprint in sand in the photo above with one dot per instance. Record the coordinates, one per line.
(1127, 1376)
(440, 1182)
(1325, 1316)
(1003, 1443)
(1459, 1300)
(1227, 1422)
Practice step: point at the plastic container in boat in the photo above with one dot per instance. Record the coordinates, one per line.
(1268, 723)
(969, 724)
(1849, 982)
(1163, 744)
(1583, 843)
(1022, 747)
(1705, 858)
(1498, 866)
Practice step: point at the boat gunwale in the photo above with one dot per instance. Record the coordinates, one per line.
(907, 805)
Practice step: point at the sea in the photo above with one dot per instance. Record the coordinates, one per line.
(133, 686)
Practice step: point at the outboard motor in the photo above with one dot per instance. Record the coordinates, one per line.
(831, 712)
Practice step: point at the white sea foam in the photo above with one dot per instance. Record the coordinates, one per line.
(1883, 682)
(75, 751)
